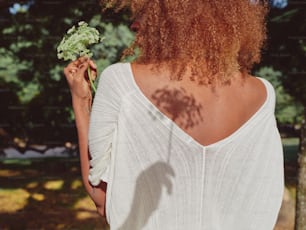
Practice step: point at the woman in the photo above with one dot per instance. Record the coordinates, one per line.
(184, 137)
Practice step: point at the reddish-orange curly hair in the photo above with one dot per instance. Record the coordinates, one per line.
(213, 37)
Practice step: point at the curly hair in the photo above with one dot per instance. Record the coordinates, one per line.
(214, 38)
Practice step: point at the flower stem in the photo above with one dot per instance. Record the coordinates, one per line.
(90, 80)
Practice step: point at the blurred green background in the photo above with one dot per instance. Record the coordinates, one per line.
(36, 114)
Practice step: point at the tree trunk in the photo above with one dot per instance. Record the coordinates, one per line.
(300, 218)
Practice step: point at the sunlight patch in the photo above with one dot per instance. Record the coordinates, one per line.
(38, 196)
(12, 200)
(81, 215)
(85, 204)
(54, 185)
(76, 184)
(32, 185)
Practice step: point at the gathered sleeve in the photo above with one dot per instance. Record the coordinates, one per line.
(103, 122)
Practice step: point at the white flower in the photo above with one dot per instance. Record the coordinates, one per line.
(75, 43)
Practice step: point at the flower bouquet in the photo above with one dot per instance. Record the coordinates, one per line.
(75, 44)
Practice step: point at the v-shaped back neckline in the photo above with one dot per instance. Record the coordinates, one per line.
(181, 133)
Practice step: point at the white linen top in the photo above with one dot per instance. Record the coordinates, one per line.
(159, 177)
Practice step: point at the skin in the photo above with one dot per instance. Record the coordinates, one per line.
(76, 76)
(225, 108)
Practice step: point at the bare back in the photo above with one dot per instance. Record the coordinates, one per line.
(220, 111)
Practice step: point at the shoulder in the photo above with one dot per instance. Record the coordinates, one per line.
(259, 85)
(268, 85)
(116, 69)
(269, 88)
(262, 90)
(115, 73)
(116, 77)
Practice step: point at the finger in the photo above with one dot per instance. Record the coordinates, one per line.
(83, 68)
(70, 71)
(92, 65)
(71, 74)
(66, 71)
(93, 69)
(93, 74)
(71, 65)
(81, 60)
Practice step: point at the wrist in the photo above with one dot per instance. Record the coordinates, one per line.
(83, 104)
(80, 100)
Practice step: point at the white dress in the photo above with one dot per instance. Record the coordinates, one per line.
(160, 178)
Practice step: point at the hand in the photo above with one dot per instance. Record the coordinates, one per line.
(101, 211)
(98, 195)
(77, 77)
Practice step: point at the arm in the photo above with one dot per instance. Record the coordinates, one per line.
(75, 74)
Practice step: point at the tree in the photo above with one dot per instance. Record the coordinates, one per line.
(287, 54)
(288, 111)
(35, 100)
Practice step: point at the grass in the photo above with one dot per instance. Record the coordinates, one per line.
(48, 193)
(45, 194)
